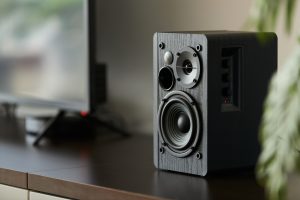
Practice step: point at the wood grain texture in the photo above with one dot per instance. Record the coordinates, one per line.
(174, 42)
(13, 178)
(88, 168)
(80, 191)
(155, 101)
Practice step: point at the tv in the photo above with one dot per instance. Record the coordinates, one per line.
(47, 53)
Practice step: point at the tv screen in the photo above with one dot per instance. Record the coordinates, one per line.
(44, 53)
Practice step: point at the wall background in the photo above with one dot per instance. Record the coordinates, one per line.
(125, 31)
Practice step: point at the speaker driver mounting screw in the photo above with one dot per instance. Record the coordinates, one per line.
(161, 45)
(199, 155)
(199, 47)
(178, 54)
(194, 54)
(195, 80)
(162, 150)
(178, 79)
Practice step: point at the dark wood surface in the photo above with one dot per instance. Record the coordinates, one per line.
(108, 166)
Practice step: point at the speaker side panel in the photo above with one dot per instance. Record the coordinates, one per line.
(175, 42)
(233, 143)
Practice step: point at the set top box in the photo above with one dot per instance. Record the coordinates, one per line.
(209, 89)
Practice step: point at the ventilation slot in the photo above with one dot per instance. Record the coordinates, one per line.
(230, 78)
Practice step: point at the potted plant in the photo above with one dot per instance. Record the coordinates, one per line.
(280, 126)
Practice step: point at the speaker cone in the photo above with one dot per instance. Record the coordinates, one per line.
(188, 67)
(179, 123)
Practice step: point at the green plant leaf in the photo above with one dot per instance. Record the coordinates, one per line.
(280, 126)
(290, 10)
(264, 14)
(279, 131)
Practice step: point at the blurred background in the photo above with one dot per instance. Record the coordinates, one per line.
(125, 31)
(43, 51)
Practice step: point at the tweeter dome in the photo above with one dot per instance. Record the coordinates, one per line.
(209, 89)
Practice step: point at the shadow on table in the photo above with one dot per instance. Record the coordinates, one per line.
(225, 185)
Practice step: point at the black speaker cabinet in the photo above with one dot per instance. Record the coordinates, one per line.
(209, 89)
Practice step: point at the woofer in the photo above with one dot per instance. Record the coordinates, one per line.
(179, 123)
(188, 67)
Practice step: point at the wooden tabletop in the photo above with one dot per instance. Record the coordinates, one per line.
(108, 166)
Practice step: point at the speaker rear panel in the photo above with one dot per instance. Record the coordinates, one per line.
(193, 83)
